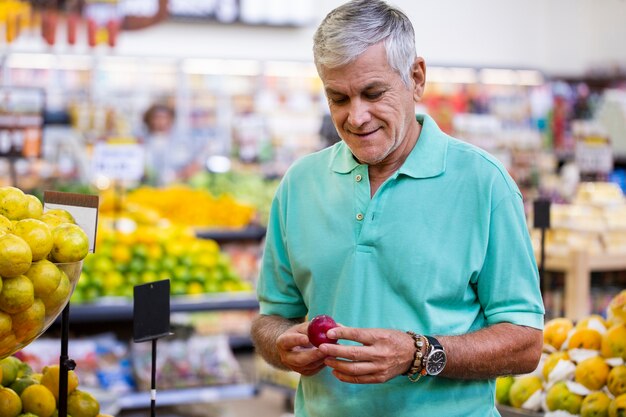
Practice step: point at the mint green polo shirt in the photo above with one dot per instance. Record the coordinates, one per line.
(442, 248)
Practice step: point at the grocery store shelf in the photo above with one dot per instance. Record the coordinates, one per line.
(253, 232)
(121, 309)
(138, 400)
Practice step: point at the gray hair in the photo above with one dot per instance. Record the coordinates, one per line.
(347, 31)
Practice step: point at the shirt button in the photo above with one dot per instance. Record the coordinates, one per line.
(359, 216)
(358, 178)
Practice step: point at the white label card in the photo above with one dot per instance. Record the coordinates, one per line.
(84, 209)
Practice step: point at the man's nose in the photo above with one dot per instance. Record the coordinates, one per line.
(359, 113)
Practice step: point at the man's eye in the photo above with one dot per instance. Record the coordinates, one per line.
(373, 96)
(338, 100)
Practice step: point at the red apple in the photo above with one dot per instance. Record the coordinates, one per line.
(317, 330)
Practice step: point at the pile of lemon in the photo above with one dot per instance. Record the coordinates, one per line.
(24, 393)
(582, 371)
(33, 244)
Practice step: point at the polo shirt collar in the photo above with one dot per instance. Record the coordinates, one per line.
(427, 159)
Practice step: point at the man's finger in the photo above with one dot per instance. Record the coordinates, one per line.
(363, 336)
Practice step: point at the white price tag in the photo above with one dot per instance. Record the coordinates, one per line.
(594, 156)
(83, 207)
(119, 161)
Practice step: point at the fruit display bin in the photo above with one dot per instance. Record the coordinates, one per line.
(506, 411)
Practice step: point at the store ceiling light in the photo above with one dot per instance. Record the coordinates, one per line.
(221, 66)
(289, 69)
(49, 61)
(530, 77)
(454, 75)
(499, 76)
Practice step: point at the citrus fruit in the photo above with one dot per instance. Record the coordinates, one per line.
(503, 387)
(29, 323)
(617, 408)
(51, 220)
(35, 208)
(614, 342)
(585, 338)
(82, 404)
(20, 384)
(5, 224)
(70, 243)
(62, 213)
(588, 321)
(56, 300)
(13, 203)
(616, 382)
(559, 397)
(10, 403)
(38, 399)
(555, 331)
(522, 388)
(8, 344)
(592, 373)
(10, 366)
(595, 404)
(551, 362)
(50, 379)
(17, 294)
(38, 236)
(6, 324)
(45, 277)
(616, 310)
(15, 256)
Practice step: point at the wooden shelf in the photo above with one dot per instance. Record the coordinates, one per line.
(577, 267)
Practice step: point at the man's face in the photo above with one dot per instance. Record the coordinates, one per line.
(372, 109)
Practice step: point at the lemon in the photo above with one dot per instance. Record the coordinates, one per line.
(10, 366)
(45, 277)
(35, 208)
(595, 404)
(522, 388)
(614, 342)
(51, 220)
(559, 397)
(616, 382)
(592, 373)
(617, 408)
(82, 404)
(503, 386)
(5, 224)
(38, 236)
(20, 384)
(13, 203)
(17, 294)
(10, 403)
(57, 299)
(555, 331)
(15, 256)
(585, 338)
(29, 323)
(50, 379)
(62, 213)
(551, 361)
(70, 243)
(38, 399)
(616, 310)
(6, 324)
(8, 344)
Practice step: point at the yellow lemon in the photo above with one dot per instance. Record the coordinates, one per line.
(551, 362)
(15, 256)
(29, 323)
(70, 243)
(35, 208)
(5, 224)
(10, 403)
(616, 310)
(559, 397)
(38, 399)
(8, 345)
(522, 388)
(555, 331)
(17, 294)
(595, 404)
(64, 214)
(585, 338)
(57, 299)
(38, 236)
(585, 322)
(614, 342)
(82, 404)
(52, 220)
(616, 382)
(503, 386)
(20, 384)
(45, 277)
(617, 408)
(592, 373)
(13, 203)
(6, 324)
(50, 379)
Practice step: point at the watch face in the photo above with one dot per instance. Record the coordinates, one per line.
(436, 362)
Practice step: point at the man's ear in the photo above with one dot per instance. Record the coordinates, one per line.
(418, 73)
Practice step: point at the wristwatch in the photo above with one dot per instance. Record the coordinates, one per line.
(435, 358)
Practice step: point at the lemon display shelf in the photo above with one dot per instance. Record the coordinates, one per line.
(116, 314)
(577, 267)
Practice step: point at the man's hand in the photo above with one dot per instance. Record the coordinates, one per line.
(384, 354)
(297, 353)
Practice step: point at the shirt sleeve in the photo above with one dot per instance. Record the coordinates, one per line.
(276, 289)
(508, 285)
